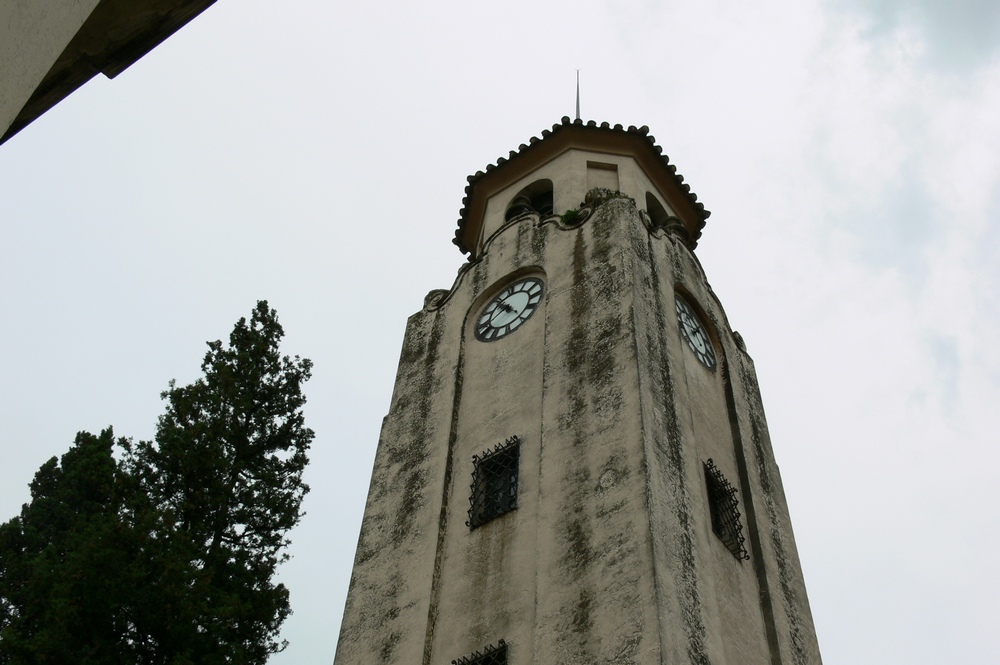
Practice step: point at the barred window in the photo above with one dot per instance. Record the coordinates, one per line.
(494, 483)
(491, 655)
(725, 510)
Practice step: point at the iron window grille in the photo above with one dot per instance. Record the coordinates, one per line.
(490, 655)
(725, 509)
(494, 483)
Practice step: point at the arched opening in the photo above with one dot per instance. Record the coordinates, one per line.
(535, 198)
(658, 215)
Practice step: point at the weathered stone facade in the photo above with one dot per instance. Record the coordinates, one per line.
(610, 555)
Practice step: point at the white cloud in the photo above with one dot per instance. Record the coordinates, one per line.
(957, 35)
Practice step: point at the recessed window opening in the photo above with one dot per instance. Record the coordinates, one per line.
(490, 655)
(725, 508)
(494, 483)
(535, 198)
(600, 174)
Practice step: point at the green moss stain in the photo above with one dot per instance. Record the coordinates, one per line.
(576, 530)
(597, 321)
(368, 546)
(398, 492)
(414, 348)
(412, 492)
(389, 647)
(786, 573)
(410, 472)
(538, 240)
(626, 649)
(602, 365)
(604, 225)
(522, 243)
(433, 605)
(572, 217)
(578, 555)
(598, 196)
(598, 535)
(480, 274)
(671, 457)
(576, 348)
(583, 621)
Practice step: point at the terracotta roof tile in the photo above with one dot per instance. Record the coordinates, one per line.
(546, 133)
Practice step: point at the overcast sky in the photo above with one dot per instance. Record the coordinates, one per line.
(314, 154)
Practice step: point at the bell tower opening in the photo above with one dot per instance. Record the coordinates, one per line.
(657, 214)
(535, 198)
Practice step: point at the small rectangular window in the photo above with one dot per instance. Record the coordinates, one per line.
(725, 508)
(491, 655)
(494, 483)
(603, 175)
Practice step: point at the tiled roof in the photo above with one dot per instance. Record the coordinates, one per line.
(524, 149)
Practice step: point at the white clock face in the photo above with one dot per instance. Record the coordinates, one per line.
(509, 309)
(694, 333)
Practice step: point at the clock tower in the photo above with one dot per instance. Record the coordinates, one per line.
(575, 467)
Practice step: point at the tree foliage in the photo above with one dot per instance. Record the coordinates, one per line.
(167, 555)
(56, 596)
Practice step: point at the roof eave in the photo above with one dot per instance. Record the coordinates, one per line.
(634, 141)
(115, 35)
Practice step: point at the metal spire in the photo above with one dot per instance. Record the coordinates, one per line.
(578, 94)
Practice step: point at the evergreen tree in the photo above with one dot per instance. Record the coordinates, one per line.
(168, 556)
(64, 560)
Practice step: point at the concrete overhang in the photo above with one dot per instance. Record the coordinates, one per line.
(633, 142)
(116, 34)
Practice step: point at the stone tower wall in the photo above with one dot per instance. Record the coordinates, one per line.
(610, 556)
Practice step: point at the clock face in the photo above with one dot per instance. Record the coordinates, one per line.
(509, 309)
(694, 333)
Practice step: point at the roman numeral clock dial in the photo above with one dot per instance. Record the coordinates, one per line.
(509, 309)
(694, 333)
